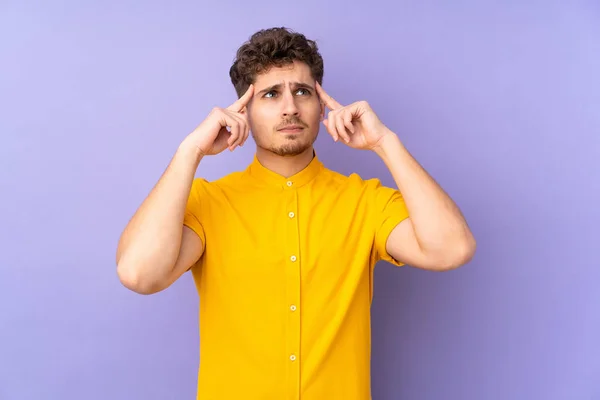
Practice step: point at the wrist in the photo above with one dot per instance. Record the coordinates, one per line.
(190, 151)
(388, 143)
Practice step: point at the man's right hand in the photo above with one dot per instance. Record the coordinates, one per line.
(212, 136)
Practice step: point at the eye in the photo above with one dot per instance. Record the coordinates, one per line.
(268, 93)
(303, 90)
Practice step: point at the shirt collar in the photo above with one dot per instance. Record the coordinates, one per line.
(260, 173)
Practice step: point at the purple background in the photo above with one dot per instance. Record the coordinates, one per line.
(500, 103)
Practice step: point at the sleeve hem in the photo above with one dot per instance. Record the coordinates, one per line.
(385, 231)
(191, 222)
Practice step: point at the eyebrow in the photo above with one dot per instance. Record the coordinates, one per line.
(279, 85)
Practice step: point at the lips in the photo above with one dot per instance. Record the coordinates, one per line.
(291, 128)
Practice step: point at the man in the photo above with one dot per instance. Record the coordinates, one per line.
(282, 253)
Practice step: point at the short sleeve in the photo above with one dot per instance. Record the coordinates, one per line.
(389, 209)
(193, 209)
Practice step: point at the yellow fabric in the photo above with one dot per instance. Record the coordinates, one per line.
(286, 280)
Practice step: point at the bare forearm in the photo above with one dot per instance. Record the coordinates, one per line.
(150, 243)
(438, 223)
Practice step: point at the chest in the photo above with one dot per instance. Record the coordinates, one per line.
(316, 236)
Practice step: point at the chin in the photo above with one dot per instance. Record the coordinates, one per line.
(291, 146)
(290, 150)
(288, 145)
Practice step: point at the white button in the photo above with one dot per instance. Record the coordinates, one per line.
(293, 258)
(289, 183)
(291, 214)
(293, 357)
(293, 308)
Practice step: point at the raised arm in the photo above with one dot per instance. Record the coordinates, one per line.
(155, 248)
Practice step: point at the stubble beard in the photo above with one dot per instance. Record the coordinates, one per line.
(292, 145)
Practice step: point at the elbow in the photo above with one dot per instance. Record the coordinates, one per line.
(133, 278)
(459, 254)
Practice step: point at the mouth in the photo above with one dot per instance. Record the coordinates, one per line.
(291, 129)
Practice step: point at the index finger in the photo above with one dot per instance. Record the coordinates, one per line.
(242, 101)
(327, 99)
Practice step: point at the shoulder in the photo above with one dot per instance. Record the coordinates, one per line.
(371, 193)
(353, 182)
(230, 180)
(221, 192)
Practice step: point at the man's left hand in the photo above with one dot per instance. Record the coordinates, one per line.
(356, 124)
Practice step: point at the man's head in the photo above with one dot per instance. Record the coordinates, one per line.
(283, 66)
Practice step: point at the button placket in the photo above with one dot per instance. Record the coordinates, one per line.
(292, 290)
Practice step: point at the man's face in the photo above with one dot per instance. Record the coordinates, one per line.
(285, 110)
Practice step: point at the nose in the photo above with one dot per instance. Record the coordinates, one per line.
(290, 108)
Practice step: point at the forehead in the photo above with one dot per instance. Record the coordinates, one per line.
(295, 72)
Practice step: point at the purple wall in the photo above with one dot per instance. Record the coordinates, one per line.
(501, 104)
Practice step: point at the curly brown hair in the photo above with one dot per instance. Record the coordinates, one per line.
(273, 47)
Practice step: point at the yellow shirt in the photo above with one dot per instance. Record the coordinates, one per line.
(286, 281)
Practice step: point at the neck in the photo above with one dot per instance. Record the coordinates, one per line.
(285, 166)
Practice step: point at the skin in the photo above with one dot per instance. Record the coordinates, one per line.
(284, 96)
(155, 249)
